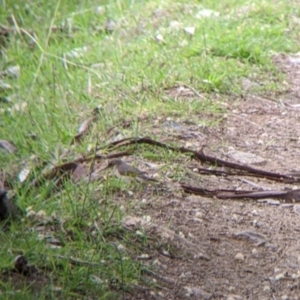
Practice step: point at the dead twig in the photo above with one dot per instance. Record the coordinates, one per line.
(207, 159)
(77, 262)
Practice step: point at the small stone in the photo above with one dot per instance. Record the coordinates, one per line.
(96, 279)
(147, 218)
(286, 205)
(139, 233)
(296, 209)
(174, 202)
(120, 247)
(254, 223)
(159, 265)
(234, 217)
(277, 270)
(273, 202)
(198, 199)
(266, 288)
(272, 247)
(181, 234)
(144, 256)
(199, 214)
(269, 201)
(247, 158)
(280, 276)
(197, 220)
(239, 257)
(197, 293)
(190, 235)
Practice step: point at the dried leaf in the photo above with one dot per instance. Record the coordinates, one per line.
(27, 165)
(206, 13)
(24, 174)
(79, 173)
(159, 38)
(175, 25)
(8, 146)
(85, 125)
(190, 30)
(110, 26)
(4, 86)
(12, 72)
(83, 128)
(77, 52)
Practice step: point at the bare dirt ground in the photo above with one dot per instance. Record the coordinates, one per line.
(229, 249)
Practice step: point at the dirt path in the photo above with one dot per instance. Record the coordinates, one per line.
(237, 249)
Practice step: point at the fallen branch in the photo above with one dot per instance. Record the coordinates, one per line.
(288, 196)
(214, 161)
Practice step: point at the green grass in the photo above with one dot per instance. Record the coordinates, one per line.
(127, 74)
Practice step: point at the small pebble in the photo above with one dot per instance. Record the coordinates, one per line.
(239, 257)
(296, 209)
(273, 202)
(286, 205)
(280, 276)
(269, 201)
(266, 288)
(199, 214)
(254, 252)
(277, 270)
